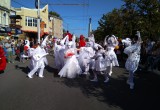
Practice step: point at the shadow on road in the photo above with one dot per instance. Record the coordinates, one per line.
(116, 92)
(23, 69)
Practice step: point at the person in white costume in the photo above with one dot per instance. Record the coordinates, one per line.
(59, 48)
(38, 59)
(43, 46)
(110, 42)
(71, 67)
(91, 40)
(85, 55)
(57, 62)
(132, 62)
(99, 65)
(30, 53)
(26, 47)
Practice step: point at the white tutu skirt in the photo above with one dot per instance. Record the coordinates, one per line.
(71, 68)
(111, 57)
(100, 64)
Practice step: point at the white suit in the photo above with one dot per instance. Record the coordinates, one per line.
(38, 60)
(133, 59)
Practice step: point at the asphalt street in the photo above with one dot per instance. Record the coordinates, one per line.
(17, 92)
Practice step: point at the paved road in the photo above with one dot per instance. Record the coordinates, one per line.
(17, 92)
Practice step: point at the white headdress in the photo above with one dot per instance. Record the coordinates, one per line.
(64, 40)
(74, 41)
(70, 43)
(105, 41)
(91, 38)
(43, 44)
(27, 44)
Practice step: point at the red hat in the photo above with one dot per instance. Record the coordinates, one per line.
(81, 37)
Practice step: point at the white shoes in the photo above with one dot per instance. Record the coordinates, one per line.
(94, 80)
(85, 72)
(131, 84)
(29, 76)
(41, 76)
(110, 73)
(106, 80)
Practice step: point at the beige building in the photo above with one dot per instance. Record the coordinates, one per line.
(56, 27)
(29, 21)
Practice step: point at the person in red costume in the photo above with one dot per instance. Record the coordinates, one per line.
(2, 60)
(69, 35)
(82, 41)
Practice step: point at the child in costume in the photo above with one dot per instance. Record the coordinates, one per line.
(110, 43)
(99, 65)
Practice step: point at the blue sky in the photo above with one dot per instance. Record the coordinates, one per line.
(75, 18)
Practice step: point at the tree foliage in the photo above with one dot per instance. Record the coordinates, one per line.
(142, 15)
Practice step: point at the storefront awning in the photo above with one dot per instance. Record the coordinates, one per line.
(5, 29)
(33, 31)
(29, 31)
(15, 17)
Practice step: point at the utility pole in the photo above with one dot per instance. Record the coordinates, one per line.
(38, 21)
(37, 5)
(89, 27)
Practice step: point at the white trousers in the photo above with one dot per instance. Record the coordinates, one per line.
(34, 70)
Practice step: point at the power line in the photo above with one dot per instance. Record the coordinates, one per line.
(66, 4)
(18, 3)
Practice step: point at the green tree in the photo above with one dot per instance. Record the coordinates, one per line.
(142, 15)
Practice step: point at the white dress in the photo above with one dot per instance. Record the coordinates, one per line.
(110, 54)
(71, 67)
(133, 53)
(99, 62)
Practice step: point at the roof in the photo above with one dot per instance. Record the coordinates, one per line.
(15, 16)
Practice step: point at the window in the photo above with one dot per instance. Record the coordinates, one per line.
(35, 22)
(30, 21)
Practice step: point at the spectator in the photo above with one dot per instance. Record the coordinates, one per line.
(21, 51)
(9, 52)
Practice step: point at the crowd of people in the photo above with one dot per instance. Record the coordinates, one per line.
(74, 58)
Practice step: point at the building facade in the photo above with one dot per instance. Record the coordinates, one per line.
(5, 6)
(56, 27)
(29, 21)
